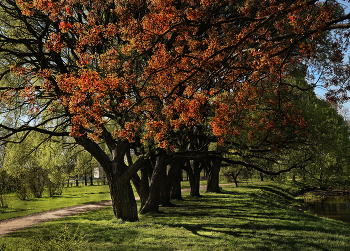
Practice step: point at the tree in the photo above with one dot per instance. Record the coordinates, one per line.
(21, 161)
(128, 73)
(38, 162)
(328, 142)
(319, 153)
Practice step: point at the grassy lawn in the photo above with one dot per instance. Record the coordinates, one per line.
(70, 197)
(260, 216)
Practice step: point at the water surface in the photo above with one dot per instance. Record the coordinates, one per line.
(337, 207)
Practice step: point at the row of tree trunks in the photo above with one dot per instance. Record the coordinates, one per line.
(161, 181)
(156, 185)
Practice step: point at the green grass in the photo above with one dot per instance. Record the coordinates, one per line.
(70, 197)
(261, 216)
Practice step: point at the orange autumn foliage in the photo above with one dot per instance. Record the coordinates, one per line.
(159, 66)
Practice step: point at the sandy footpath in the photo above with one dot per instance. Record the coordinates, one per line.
(10, 225)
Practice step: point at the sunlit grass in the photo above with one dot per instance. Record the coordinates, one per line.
(254, 217)
(70, 197)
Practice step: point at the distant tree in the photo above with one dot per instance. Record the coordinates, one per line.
(35, 163)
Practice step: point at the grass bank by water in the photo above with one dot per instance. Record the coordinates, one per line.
(262, 216)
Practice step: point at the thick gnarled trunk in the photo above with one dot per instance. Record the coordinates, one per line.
(123, 201)
(117, 173)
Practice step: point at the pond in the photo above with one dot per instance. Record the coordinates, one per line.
(337, 207)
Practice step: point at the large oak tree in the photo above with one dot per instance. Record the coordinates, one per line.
(137, 72)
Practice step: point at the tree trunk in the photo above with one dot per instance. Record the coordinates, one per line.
(123, 200)
(194, 176)
(85, 178)
(235, 176)
(166, 187)
(117, 173)
(144, 186)
(175, 193)
(159, 173)
(261, 177)
(235, 179)
(214, 177)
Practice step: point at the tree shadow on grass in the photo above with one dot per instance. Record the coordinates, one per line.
(234, 217)
(288, 233)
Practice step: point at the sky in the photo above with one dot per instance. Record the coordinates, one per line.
(319, 91)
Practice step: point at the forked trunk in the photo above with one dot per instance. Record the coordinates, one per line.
(235, 178)
(123, 199)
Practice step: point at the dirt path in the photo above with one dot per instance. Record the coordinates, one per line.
(10, 225)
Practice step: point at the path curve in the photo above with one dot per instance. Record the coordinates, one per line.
(10, 225)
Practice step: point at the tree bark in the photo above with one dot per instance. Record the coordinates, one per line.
(159, 173)
(214, 177)
(175, 192)
(194, 176)
(117, 173)
(123, 199)
(166, 187)
(85, 178)
(144, 186)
